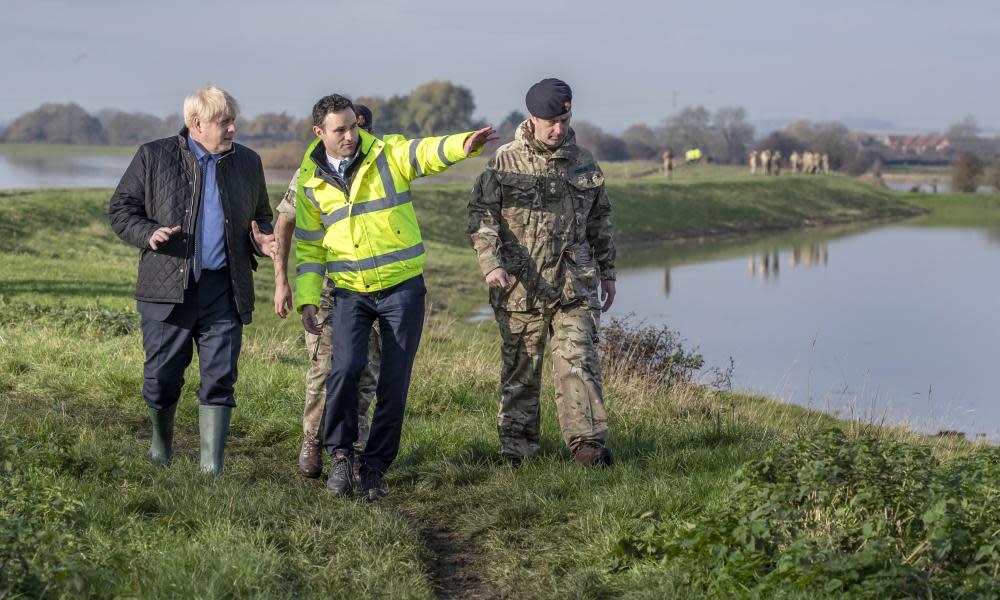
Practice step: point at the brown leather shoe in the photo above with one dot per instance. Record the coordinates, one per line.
(310, 458)
(588, 455)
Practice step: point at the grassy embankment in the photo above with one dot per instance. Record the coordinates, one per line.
(82, 512)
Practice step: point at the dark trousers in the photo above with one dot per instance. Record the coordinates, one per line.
(400, 314)
(207, 319)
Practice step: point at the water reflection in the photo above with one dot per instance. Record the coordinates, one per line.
(766, 265)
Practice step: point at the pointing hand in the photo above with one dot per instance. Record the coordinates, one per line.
(477, 139)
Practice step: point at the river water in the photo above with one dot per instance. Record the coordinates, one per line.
(896, 324)
(84, 170)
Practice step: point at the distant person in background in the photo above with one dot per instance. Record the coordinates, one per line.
(668, 163)
(825, 163)
(793, 161)
(753, 162)
(765, 161)
(196, 206)
(776, 162)
(319, 346)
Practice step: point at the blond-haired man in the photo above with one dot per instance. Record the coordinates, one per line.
(196, 206)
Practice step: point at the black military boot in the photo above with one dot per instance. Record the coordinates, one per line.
(310, 457)
(592, 455)
(341, 479)
(372, 487)
(213, 426)
(161, 449)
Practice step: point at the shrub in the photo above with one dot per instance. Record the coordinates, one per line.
(656, 353)
(858, 518)
(965, 172)
(992, 177)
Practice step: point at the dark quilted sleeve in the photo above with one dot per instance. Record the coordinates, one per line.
(127, 211)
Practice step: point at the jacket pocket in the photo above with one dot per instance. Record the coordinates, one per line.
(518, 189)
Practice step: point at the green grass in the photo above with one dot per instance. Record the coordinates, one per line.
(959, 210)
(84, 514)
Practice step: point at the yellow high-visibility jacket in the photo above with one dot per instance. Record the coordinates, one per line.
(367, 239)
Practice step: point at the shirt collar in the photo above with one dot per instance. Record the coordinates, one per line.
(199, 152)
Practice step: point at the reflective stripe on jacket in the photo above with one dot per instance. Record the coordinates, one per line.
(367, 239)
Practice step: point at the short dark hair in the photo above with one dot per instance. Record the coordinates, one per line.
(329, 104)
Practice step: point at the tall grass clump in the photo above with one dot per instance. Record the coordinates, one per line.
(657, 354)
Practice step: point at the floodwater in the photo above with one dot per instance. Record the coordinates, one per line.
(23, 172)
(894, 324)
(79, 171)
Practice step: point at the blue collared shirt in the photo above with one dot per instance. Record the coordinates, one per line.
(212, 242)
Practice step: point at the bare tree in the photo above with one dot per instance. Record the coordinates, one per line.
(642, 142)
(737, 135)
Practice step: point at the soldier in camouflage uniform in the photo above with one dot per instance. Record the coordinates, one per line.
(319, 348)
(540, 222)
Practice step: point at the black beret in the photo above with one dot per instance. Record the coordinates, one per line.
(549, 98)
(366, 115)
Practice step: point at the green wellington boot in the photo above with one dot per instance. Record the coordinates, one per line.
(213, 425)
(161, 450)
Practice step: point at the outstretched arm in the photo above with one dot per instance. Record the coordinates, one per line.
(426, 156)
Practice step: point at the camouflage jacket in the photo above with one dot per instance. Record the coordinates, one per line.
(544, 216)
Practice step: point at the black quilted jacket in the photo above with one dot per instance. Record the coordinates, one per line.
(161, 188)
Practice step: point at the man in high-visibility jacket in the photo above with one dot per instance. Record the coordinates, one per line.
(311, 453)
(355, 224)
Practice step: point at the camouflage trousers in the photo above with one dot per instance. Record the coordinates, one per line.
(320, 357)
(579, 396)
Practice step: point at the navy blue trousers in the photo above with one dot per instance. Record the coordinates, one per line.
(207, 319)
(400, 313)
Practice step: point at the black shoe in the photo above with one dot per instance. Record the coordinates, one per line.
(341, 479)
(588, 455)
(371, 484)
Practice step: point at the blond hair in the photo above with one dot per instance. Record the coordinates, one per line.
(208, 104)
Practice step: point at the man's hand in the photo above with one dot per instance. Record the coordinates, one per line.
(498, 278)
(283, 300)
(607, 294)
(161, 235)
(267, 243)
(309, 319)
(477, 139)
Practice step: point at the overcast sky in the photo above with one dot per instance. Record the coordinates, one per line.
(922, 64)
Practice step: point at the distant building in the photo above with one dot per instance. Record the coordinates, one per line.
(917, 146)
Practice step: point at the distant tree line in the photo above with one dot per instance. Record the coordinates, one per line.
(724, 136)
